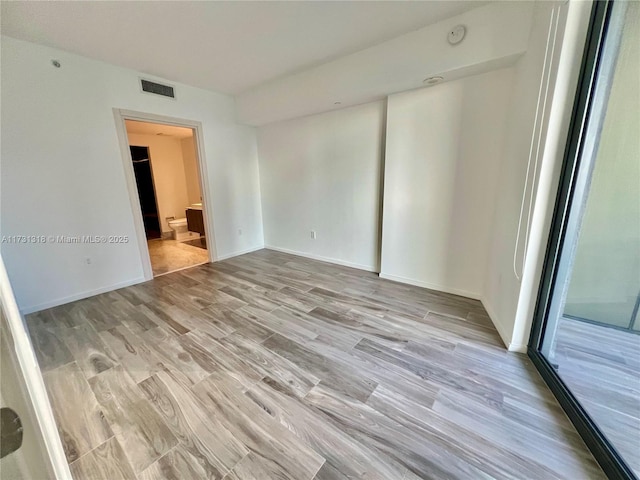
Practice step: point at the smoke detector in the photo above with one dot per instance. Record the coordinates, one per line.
(432, 81)
(456, 34)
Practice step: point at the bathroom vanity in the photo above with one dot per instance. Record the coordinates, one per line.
(195, 220)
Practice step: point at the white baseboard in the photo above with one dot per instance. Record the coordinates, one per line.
(109, 288)
(241, 252)
(180, 269)
(430, 286)
(344, 263)
(79, 296)
(506, 339)
(517, 348)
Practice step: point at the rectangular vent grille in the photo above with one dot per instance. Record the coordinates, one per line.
(157, 88)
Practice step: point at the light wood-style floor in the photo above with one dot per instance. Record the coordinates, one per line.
(170, 255)
(275, 366)
(601, 366)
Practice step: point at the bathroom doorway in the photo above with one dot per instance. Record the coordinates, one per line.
(168, 198)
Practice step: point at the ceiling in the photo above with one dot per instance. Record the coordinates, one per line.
(228, 47)
(146, 128)
(497, 35)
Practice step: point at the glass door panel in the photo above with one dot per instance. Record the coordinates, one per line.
(589, 331)
(605, 280)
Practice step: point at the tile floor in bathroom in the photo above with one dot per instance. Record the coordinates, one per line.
(170, 255)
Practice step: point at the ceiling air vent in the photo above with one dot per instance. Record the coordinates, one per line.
(157, 88)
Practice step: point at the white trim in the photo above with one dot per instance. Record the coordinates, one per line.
(512, 347)
(495, 320)
(181, 268)
(241, 252)
(368, 268)
(136, 209)
(430, 286)
(517, 348)
(120, 116)
(29, 370)
(127, 283)
(80, 296)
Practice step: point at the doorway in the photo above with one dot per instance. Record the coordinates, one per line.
(162, 159)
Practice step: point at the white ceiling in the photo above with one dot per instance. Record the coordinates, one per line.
(146, 128)
(497, 35)
(228, 47)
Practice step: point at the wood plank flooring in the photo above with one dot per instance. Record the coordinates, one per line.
(275, 366)
(601, 366)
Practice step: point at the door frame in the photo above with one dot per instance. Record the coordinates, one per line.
(22, 359)
(578, 151)
(121, 115)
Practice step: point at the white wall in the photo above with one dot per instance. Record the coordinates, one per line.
(497, 34)
(62, 171)
(169, 178)
(191, 171)
(510, 300)
(441, 179)
(466, 245)
(323, 173)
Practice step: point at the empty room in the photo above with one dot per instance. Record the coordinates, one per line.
(315, 240)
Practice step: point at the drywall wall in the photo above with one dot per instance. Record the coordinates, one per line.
(540, 109)
(323, 173)
(441, 168)
(497, 34)
(605, 281)
(191, 171)
(169, 178)
(62, 171)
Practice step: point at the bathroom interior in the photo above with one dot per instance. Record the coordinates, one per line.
(166, 170)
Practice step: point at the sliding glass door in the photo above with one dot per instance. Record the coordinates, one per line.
(585, 338)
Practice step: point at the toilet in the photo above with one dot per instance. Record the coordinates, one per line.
(180, 230)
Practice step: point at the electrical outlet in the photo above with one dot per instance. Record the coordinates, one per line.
(313, 234)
